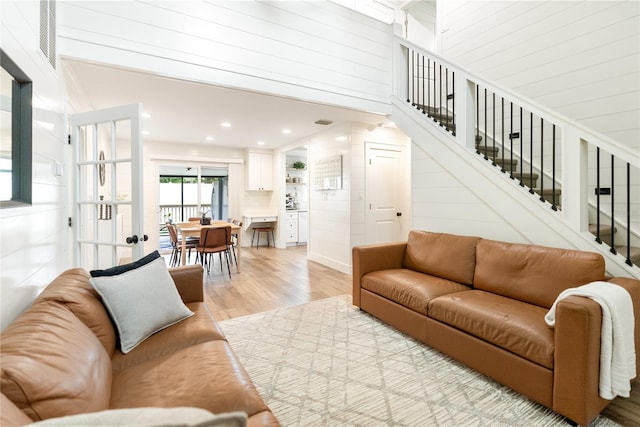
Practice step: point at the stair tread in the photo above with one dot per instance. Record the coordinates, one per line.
(593, 228)
(548, 191)
(634, 255)
(525, 175)
(635, 252)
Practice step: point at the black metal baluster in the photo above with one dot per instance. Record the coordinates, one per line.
(446, 91)
(408, 77)
(424, 82)
(453, 100)
(486, 157)
(428, 86)
(521, 153)
(542, 159)
(598, 239)
(413, 82)
(628, 260)
(511, 141)
(553, 173)
(435, 77)
(440, 103)
(502, 121)
(613, 223)
(418, 81)
(477, 141)
(531, 153)
(493, 116)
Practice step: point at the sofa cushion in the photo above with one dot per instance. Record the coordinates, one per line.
(72, 288)
(409, 288)
(206, 375)
(11, 415)
(443, 255)
(533, 274)
(52, 364)
(200, 327)
(141, 302)
(513, 325)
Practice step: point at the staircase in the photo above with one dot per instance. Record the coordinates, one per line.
(431, 90)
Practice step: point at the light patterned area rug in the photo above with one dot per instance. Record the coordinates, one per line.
(326, 363)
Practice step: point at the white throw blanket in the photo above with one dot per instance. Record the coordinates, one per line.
(617, 348)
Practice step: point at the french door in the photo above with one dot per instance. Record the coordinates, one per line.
(107, 219)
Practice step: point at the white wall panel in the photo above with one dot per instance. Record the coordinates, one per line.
(559, 53)
(317, 46)
(33, 248)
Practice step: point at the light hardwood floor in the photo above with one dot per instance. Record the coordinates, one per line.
(273, 278)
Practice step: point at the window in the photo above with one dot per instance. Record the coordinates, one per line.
(15, 134)
(182, 197)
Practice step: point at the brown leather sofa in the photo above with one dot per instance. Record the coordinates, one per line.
(483, 303)
(60, 358)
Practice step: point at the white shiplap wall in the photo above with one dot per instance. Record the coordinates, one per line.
(316, 50)
(34, 239)
(338, 217)
(421, 23)
(581, 58)
(329, 210)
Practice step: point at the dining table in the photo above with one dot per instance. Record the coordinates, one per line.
(193, 229)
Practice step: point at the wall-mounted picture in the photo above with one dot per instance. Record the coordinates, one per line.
(328, 173)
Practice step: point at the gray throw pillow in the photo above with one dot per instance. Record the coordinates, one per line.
(141, 302)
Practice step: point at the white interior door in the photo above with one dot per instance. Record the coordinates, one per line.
(385, 172)
(107, 221)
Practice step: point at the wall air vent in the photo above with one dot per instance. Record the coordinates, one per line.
(323, 122)
(48, 30)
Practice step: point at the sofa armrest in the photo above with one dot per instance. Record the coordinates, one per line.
(577, 359)
(189, 282)
(633, 287)
(366, 259)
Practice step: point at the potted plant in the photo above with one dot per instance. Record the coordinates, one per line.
(299, 165)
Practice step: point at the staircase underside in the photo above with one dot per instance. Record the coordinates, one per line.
(509, 166)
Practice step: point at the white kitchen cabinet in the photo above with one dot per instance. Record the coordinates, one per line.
(259, 171)
(291, 227)
(303, 226)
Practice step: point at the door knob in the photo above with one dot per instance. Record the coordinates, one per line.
(145, 238)
(398, 213)
(132, 239)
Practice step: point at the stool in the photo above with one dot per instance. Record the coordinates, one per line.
(263, 230)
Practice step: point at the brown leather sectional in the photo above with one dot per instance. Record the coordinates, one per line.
(60, 358)
(483, 303)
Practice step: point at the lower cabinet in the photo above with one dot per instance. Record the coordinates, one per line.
(291, 227)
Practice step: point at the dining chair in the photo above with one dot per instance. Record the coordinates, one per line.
(176, 248)
(234, 239)
(214, 240)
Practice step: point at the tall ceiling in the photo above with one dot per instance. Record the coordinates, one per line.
(188, 112)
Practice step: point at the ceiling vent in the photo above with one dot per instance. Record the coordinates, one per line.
(323, 122)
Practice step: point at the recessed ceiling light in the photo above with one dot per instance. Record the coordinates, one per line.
(341, 138)
(286, 131)
(260, 142)
(145, 132)
(225, 124)
(146, 115)
(209, 138)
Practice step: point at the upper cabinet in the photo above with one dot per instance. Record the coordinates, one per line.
(259, 171)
